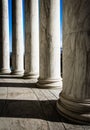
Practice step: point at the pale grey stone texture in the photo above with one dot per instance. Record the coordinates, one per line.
(4, 40)
(17, 39)
(31, 39)
(75, 96)
(49, 43)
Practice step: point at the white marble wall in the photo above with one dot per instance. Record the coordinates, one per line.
(17, 39)
(76, 60)
(31, 39)
(4, 38)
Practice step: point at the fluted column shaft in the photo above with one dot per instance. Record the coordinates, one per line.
(4, 38)
(31, 39)
(49, 43)
(17, 39)
(74, 99)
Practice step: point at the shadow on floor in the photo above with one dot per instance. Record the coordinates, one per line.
(29, 109)
(23, 85)
(45, 110)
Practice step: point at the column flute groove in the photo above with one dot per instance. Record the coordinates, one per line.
(74, 101)
(49, 44)
(17, 38)
(31, 39)
(4, 38)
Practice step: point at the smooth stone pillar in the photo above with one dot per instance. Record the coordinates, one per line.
(17, 39)
(74, 102)
(4, 38)
(31, 39)
(49, 44)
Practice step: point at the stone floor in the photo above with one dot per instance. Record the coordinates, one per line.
(25, 107)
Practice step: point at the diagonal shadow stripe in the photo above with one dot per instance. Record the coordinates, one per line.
(29, 109)
(23, 85)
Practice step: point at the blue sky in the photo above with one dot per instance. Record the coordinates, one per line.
(10, 22)
(61, 22)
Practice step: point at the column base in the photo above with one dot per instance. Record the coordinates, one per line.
(49, 83)
(30, 76)
(5, 71)
(17, 73)
(74, 110)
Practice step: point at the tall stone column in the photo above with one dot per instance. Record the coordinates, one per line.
(74, 102)
(31, 39)
(49, 44)
(4, 38)
(17, 39)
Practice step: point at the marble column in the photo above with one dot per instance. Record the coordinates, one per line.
(31, 39)
(17, 39)
(49, 44)
(4, 38)
(74, 102)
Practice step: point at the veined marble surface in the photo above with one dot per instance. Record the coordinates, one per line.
(74, 101)
(49, 43)
(31, 39)
(17, 37)
(76, 49)
(76, 16)
(4, 38)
